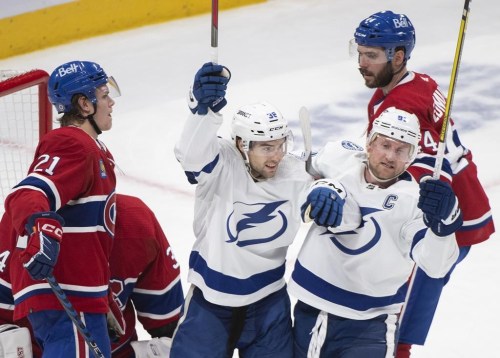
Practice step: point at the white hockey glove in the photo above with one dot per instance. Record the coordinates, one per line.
(154, 348)
(116, 322)
(15, 341)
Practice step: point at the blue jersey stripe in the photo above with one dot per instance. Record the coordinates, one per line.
(232, 285)
(356, 301)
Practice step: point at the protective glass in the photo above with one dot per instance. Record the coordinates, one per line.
(367, 54)
(269, 149)
(114, 89)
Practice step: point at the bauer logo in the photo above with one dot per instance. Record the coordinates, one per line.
(73, 68)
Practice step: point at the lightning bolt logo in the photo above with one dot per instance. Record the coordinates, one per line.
(371, 243)
(251, 219)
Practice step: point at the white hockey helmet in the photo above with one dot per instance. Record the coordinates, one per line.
(259, 122)
(399, 125)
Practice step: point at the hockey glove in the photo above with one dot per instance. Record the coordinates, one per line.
(209, 89)
(156, 347)
(45, 234)
(116, 321)
(440, 207)
(324, 204)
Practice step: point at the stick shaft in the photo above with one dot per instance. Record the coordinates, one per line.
(305, 126)
(451, 90)
(215, 32)
(73, 315)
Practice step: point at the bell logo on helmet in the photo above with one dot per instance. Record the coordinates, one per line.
(402, 22)
(73, 68)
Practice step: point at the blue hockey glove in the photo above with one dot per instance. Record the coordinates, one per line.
(45, 234)
(323, 205)
(209, 89)
(440, 207)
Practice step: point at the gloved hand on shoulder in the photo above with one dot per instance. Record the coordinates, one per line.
(45, 235)
(324, 204)
(439, 204)
(209, 89)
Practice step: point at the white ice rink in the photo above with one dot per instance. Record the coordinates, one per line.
(294, 53)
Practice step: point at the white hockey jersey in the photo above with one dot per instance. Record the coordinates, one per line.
(243, 228)
(362, 273)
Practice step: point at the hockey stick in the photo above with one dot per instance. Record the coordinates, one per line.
(451, 90)
(305, 126)
(444, 128)
(215, 31)
(73, 315)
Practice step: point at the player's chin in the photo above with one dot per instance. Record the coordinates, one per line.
(386, 173)
(269, 172)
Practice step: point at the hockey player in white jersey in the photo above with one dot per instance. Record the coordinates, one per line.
(247, 213)
(351, 274)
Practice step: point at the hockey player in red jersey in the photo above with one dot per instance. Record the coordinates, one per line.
(384, 42)
(63, 214)
(145, 277)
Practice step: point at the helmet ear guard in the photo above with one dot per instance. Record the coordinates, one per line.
(387, 30)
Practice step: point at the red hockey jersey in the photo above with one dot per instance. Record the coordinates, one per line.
(419, 94)
(144, 272)
(72, 174)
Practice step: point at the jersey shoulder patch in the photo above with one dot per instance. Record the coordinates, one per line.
(347, 144)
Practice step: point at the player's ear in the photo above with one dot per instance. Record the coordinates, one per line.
(85, 105)
(399, 57)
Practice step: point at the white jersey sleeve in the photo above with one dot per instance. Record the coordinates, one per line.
(198, 145)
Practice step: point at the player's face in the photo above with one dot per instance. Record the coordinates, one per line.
(264, 157)
(374, 66)
(388, 158)
(104, 108)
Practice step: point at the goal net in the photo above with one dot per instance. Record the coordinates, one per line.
(25, 115)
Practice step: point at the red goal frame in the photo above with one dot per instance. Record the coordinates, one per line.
(26, 80)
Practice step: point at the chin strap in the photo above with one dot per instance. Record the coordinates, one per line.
(244, 154)
(92, 121)
(94, 124)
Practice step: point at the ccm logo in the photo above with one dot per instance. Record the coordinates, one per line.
(52, 229)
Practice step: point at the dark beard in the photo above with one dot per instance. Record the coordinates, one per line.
(382, 79)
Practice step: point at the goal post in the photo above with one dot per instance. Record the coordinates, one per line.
(25, 116)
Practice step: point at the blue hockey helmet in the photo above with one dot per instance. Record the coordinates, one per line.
(388, 30)
(76, 77)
